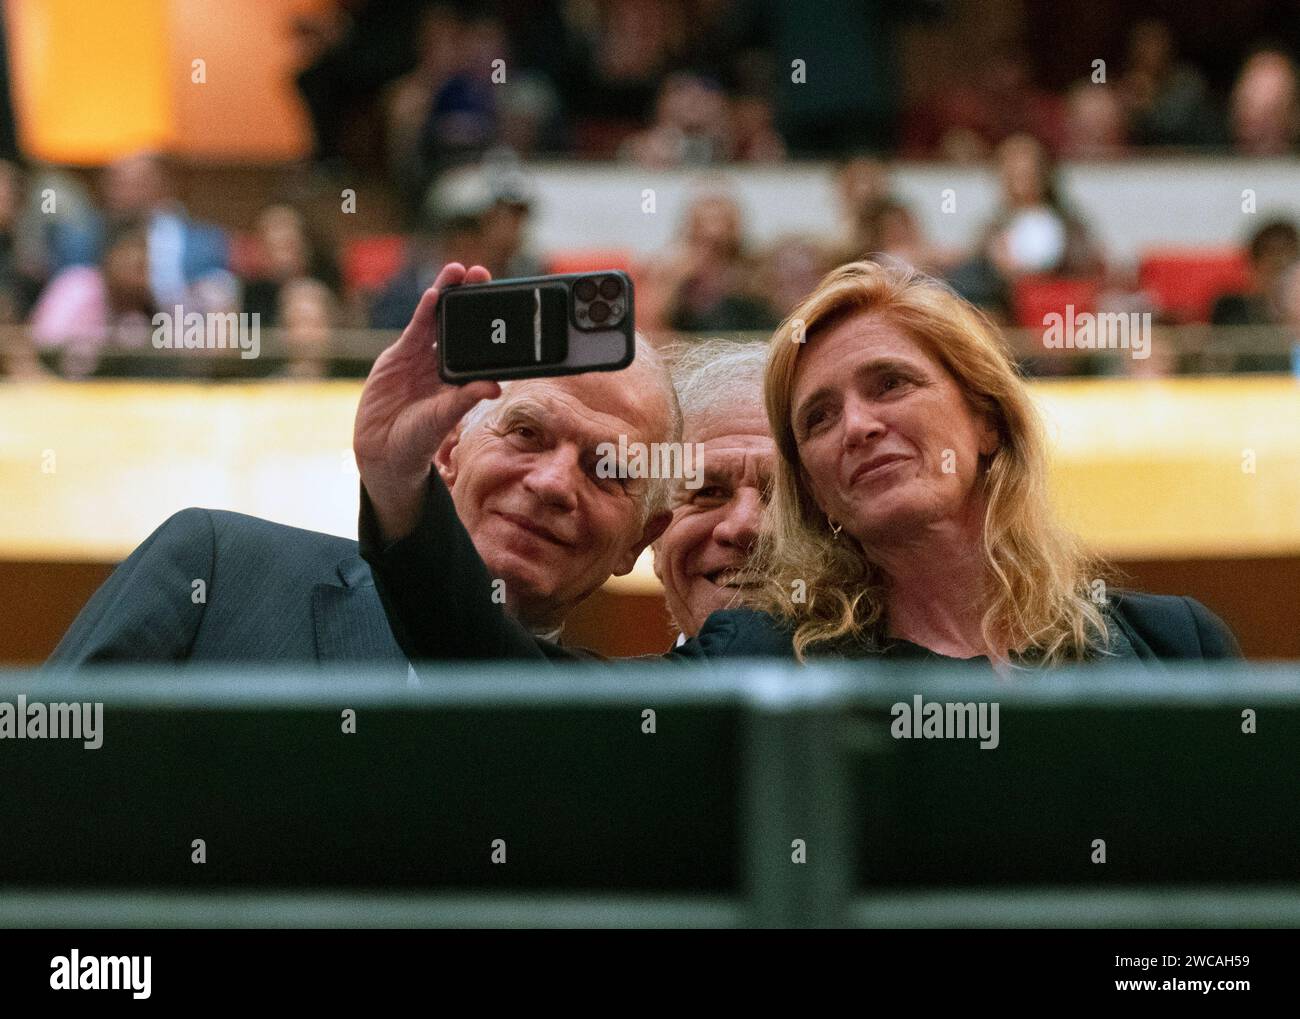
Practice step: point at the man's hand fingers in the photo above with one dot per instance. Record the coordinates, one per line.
(468, 395)
(442, 413)
(422, 331)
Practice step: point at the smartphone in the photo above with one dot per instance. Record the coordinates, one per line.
(535, 327)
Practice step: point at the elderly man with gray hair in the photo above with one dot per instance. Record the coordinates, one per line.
(701, 556)
(516, 512)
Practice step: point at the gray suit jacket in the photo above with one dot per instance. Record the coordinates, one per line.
(270, 594)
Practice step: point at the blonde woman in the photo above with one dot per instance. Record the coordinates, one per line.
(910, 514)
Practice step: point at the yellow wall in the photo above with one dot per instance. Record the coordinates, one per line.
(96, 79)
(1143, 469)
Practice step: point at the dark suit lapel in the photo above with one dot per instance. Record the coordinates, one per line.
(349, 619)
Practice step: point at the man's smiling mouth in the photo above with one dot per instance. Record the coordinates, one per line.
(732, 578)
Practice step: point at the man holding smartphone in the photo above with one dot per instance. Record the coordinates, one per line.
(438, 465)
(508, 492)
(513, 514)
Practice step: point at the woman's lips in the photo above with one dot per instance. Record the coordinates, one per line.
(875, 467)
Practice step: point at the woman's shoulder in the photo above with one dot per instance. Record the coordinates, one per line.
(1172, 626)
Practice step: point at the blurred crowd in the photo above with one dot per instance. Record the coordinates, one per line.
(93, 277)
(671, 83)
(463, 100)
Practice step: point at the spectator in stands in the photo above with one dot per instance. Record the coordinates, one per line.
(966, 123)
(702, 555)
(691, 126)
(450, 108)
(621, 54)
(462, 120)
(754, 136)
(289, 252)
(22, 248)
(708, 274)
(1290, 289)
(453, 212)
(307, 313)
(503, 226)
(345, 54)
(861, 183)
(1094, 123)
(892, 233)
(1265, 105)
(1269, 306)
(1033, 233)
(86, 307)
(789, 270)
(1272, 249)
(181, 250)
(1165, 99)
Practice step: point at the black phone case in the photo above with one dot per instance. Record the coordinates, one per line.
(574, 352)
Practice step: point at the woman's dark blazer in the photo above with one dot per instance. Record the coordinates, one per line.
(1147, 627)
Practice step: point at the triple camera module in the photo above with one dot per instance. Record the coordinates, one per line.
(599, 302)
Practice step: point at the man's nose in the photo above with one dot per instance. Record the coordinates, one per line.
(553, 478)
(739, 528)
(860, 422)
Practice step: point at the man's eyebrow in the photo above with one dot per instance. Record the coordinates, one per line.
(586, 438)
(520, 408)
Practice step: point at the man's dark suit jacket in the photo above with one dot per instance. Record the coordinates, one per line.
(271, 594)
(437, 565)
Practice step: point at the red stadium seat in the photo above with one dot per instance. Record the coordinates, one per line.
(589, 260)
(370, 262)
(1186, 282)
(1035, 297)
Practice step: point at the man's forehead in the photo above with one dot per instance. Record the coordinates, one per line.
(736, 457)
(733, 425)
(624, 401)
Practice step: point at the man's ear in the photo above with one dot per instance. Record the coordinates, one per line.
(654, 527)
(447, 458)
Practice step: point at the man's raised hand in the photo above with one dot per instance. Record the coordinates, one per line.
(406, 411)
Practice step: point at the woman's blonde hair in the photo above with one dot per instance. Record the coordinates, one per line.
(825, 586)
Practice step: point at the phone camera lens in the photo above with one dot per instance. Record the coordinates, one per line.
(610, 287)
(599, 311)
(584, 290)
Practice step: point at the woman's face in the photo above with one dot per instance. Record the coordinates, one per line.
(888, 443)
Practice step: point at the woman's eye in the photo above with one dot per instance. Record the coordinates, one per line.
(712, 493)
(813, 420)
